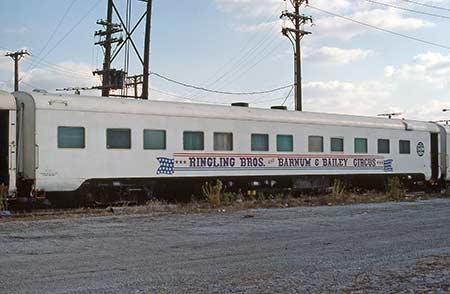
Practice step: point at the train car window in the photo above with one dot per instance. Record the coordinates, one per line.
(71, 137)
(361, 145)
(337, 144)
(193, 141)
(154, 139)
(405, 147)
(315, 144)
(383, 146)
(260, 142)
(118, 138)
(285, 143)
(223, 141)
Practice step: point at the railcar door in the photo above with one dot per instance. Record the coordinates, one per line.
(434, 156)
(7, 141)
(4, 147)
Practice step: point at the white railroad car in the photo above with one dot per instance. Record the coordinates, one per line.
(92, 145)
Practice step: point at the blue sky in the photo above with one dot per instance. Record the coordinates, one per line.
(347, 67)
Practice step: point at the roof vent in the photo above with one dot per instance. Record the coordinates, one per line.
(240, 104)
(279, 107)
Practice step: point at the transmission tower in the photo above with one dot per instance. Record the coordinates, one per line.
(113, 79)
(295, 35)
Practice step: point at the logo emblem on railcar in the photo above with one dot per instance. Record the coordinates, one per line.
(420, 149)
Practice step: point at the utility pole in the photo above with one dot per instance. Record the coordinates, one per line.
(146, 72)
(295, 35)
(113, 79)
(17, 56)
(110, 77)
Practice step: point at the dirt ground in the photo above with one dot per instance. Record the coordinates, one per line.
(395, 247)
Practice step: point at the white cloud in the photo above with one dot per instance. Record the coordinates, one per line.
(5, 62)
(430, 111)
(60, 75)
(335, 55)
(390, 19)
(365, 98)
(252, 8)
(431, 67)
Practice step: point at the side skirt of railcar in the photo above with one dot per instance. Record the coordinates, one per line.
(141, 190)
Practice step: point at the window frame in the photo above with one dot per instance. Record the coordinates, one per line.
(400, 147)
(292, 142)
(70, 127)
(117, 148)
(194, 132)
(223, 133)
(309, 144)
(366, 140)
(378, 146)
(259, 134)
(331, 144)
(154, 130)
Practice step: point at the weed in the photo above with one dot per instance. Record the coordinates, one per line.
(338, 189)
(394, 188)
(213, 192)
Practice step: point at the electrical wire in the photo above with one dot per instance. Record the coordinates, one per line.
(57, 27)
(96, 3)
(409, 10)
(287, 97)
(381, 29)
(234, 64)
(216, 91)
(427, 5)
(243, 67)
(184, 97)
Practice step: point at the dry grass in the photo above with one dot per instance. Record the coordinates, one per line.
(216, 200)
(394, 189)
(213, 193)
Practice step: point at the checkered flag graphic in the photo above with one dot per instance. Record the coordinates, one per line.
(166, 166)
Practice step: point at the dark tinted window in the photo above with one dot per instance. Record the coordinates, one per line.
(118, 138)
(405, 147)
(71, 137)
(383, 146)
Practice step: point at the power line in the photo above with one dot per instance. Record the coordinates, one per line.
(288, 95)
(233, 61)
(381, 29)
(246, 57)
(244, 67)
(409, 10)
(57, 27)
(69, 32)
(184, 97)
(263, 57)
(216, 91)
(427, 5)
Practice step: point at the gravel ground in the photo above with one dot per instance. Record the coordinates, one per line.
(375, 248)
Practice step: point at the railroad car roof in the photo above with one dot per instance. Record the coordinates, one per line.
(164, 108)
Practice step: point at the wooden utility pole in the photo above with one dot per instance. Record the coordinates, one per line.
(107, 61)
(110, 77)
(146, 73)
(295, 35)
(17, 56)
(113, 79)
